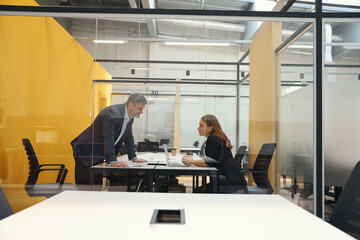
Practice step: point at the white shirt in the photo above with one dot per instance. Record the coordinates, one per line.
(126, 121)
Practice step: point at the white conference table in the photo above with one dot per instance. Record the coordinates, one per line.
(126, 215)
(150, 157)
(153, 171)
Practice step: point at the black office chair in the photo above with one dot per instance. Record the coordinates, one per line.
(141, 146)
(44, 189)
(346, 214)
(239, 188)
(239, 155)
(148, 146)
(5, 208)
(153, 147)
(260, 171)
(164, 141)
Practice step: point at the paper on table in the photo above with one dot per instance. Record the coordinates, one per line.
(149, 157)
(196, 157)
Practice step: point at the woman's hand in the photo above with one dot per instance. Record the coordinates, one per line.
(187, 159)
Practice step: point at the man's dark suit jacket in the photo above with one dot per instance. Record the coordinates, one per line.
(97, 142)
(224, 160)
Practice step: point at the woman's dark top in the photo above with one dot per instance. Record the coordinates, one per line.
(224, 160)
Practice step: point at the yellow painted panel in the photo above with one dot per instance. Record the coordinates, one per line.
(263, 91)
(46, 95)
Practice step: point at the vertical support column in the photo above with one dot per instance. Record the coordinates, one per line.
(177, 117)
(237, 106)
(318, 138)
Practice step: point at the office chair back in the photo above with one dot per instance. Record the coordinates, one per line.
(346, 214)
(5, 208)
(261, 167)
(44, 189)
(153, 147)
(264, 157)
(164, 141)
(148, 146)
(141, 146)
(239, 155)
(33, 163)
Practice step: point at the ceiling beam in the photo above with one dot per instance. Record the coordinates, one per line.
(151, 23)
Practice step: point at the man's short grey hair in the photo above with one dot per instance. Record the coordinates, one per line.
(136, 98)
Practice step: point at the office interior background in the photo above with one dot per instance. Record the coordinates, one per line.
(255, 72)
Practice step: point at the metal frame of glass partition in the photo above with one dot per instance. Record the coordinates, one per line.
(316, 17)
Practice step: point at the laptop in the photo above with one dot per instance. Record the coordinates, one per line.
(172, 161)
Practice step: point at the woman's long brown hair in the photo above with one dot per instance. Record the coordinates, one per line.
(211, 121)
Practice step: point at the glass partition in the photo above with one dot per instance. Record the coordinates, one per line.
(296, 121)
(341, 111)
(87, 64)
(327, 6)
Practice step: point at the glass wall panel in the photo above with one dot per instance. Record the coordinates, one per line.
(63, 77)
(341, 6)
(181, 82)
(295, 121)
(45, 99)
(341, 111)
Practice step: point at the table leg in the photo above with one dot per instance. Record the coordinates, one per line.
(128, 183)
(215, 182)
(91, 179)
(203, 178)
(150, 187)
(156, 182)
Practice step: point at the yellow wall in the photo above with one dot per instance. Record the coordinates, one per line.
(46, 94)
(263, 92)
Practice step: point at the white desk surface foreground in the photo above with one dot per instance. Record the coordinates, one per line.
(123, 215)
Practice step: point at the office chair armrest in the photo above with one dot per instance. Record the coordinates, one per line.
(54, 164)
(249, 170)
(61, 176)
(258, 171)
(61, 165)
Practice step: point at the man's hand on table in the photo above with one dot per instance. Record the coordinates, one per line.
(119, 164)
(139, 160)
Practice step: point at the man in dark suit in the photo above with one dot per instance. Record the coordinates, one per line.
(102, 140)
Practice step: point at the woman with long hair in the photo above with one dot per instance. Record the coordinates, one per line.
(217, 151)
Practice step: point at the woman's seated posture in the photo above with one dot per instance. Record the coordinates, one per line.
(218, 153)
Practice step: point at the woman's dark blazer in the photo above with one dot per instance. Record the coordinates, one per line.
(224, 160)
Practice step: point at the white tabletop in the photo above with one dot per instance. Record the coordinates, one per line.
(120, 215)
(158, 157)
(150, 157)
(186, 168)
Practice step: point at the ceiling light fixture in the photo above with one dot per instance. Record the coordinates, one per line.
(198, 44)
(206, 24)
(301, 46)
(110, 41)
